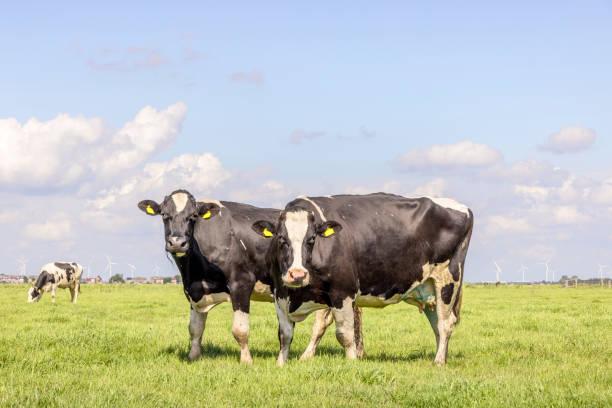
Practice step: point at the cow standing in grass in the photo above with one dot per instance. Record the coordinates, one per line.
(57, 275)
(221, 259)
(370, 251)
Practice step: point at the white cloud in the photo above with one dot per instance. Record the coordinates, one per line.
(570, 139)
(463, 154)
(433, 188)
(298, 136)
(254, 77)
(506, 224)
(532, 192)
(567, 214)
(68, 150)
(56, 229)
(528, 171)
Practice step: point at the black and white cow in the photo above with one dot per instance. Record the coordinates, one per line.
(57, 275)
(221, 259)
(371, 251)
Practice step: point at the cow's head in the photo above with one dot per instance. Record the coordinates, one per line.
(293, 244)
(179, 211)
(34, 294)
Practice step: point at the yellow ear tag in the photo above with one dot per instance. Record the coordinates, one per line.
(267, 233)
(207, 215)
(329, 231)
(150, 210)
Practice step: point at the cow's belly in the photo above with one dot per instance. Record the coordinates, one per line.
(209, 301)
(418, 294)
(262, 293)
(304, 310)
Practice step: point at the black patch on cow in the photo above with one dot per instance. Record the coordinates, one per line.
(67, 267)
(447, 293)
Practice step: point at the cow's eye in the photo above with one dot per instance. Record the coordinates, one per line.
(310, 241)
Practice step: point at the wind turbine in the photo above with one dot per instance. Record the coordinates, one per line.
(498, 270)
(156, 270)
(523, 268)
(601, 269)
(547, 263)
(109, 267)
(133, 268)
(22, 265)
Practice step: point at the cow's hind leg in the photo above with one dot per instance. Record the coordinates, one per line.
(77, 290)
(197, 322)
(72, 295)
(345, 327)
(323, 318)
(53, 294)
(358, 332)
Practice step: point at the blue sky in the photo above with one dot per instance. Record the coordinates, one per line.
(312, 98)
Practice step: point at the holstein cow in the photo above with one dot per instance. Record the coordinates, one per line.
(57, 275)
(220, 259)
(372, 251)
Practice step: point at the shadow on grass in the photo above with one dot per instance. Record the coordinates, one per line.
(212, 351)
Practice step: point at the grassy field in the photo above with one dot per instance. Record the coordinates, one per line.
(127, 346)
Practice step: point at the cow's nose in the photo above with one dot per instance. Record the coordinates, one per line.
(297, 275)
(176, 244)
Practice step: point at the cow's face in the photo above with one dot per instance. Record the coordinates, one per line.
(294, 241)
(179, 212)
(34, 294)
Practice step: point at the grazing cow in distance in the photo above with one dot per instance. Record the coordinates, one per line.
(371, 251)
(220, 259)
(57, 275)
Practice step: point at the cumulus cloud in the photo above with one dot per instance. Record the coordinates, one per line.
(298, 136)
(67, 150)
(527, 171)
(433, 188)
(56, 229)
(570, 139)
(254, 77)
(465, 154)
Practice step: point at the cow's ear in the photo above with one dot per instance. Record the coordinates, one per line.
(328, 228)
(149, 207)
(207, 210)
(264, 228)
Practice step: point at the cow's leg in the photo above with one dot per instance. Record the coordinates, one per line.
(285, 333)
(446, 322)
(323, 318)
(197, 322)
(358, 332)
(432, 316)
(71, 295)
(240, 330)
(77, 289)
(345, 327)
(53, 288)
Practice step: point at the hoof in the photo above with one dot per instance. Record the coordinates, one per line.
(194, 355)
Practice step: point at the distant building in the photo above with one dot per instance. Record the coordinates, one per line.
(32, 278)
(173, 281)
(13, 278)
(97, 279)
(138, 281)
(157, 280)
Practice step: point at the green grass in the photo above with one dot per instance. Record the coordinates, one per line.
(127, 346)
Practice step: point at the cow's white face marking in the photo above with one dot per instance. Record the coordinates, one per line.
(297, 226)
(450, 203)
(180, 201)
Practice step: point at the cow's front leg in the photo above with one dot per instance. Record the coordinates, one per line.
(323, 318)
(345, 327)
(197, 323)
(241, 298)
(77, 289)
(53, 288)
(285, 331)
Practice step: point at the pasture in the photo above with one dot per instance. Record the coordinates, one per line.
(127, 346)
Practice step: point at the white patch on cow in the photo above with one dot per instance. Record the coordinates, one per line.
(303, 197)
(297, 225)
(304, 310)
(240, 330)
(180, 201)
(261, 293)
(244, 246)
(209, 301)
(450, 203)
(345, 328)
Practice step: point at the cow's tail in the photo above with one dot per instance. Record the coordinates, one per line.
(461, 254)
